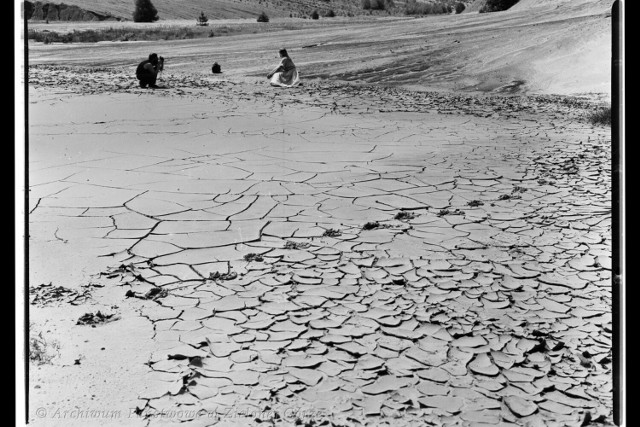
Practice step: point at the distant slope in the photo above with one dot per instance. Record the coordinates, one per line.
(220, 9)
(44, 11)
(546, 49)
(528, 4)
(230, 9)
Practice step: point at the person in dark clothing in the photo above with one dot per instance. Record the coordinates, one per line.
(147, 71)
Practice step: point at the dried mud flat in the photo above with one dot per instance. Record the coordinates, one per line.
(328, 255)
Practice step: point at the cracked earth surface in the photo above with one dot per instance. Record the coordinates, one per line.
(334, 254)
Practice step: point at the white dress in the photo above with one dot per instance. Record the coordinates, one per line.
(286, 74)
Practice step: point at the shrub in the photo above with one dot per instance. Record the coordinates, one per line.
(460, 7)
(41, 351)
(145, 11)
(263, 17)
(202, 20)
(601, 116)
(66, 38)
(412, 7)
(497, 5)
(330, 13)
(377, 4)
(315, 15)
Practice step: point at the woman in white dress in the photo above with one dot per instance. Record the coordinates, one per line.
(285, 74)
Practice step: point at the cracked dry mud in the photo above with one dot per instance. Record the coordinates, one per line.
(482, 296)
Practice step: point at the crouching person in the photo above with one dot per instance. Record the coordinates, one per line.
(147, 71)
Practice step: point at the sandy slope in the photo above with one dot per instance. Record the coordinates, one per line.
(563, 50)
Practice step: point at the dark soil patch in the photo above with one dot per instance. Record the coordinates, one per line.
(404, 216)
(253, 257)
(96, 318)
(43, 294)
(332, 233)
(223, 276)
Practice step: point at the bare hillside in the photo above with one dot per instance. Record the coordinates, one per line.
(232, 9)
(222, 9)
(562, 50)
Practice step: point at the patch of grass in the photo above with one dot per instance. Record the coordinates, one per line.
(332, 233)
(41, 350)
(118, 34)
(601, 116)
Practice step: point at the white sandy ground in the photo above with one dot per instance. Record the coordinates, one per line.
(97, 143)
(76, 189)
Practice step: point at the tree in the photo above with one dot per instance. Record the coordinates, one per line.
(145, 12)
(315, 15)
(263, 17)
(202, 20)
(497, 5)
(460, 7)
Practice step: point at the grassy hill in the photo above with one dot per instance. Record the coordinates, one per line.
(230, 9)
